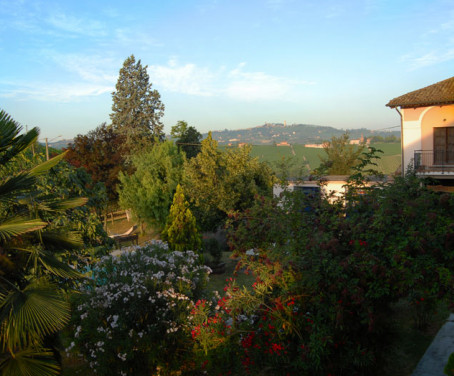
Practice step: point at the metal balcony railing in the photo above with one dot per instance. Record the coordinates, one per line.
(434, 161)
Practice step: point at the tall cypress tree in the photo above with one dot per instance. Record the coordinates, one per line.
(136, 108)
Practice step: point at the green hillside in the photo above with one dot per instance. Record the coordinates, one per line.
(303, 159)
(271, 134)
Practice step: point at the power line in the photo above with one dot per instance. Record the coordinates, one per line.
(382, 129)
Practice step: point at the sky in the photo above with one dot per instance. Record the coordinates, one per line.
(222, 63)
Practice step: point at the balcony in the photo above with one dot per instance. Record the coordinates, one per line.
(430, 162)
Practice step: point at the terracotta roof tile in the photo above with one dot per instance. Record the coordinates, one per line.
(441, 93)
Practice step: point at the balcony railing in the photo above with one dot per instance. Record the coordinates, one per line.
(434, 162)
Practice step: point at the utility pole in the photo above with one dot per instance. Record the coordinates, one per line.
(47, 150)
(47, 145)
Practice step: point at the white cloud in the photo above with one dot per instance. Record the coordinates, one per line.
(186, 79)
(44, 91)
(435, 46)
(88, 76)
(252, 86)
(131, 37)
(428, 59)
(90, 68)
(256, 86)
(236, 83)
(76, 25)
(95, 75)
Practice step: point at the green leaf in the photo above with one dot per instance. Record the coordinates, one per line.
(56, 267)
(47, 165)
(27, 315)
(17, 226)
(62, 239)
(69, 203)
(30, 362)
(11, 142)
(10, 187)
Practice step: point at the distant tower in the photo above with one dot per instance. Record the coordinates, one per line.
(285, 123)
(362, 138)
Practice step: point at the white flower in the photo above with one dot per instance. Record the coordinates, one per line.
(122, 356)
(78, 329)
(251, 252)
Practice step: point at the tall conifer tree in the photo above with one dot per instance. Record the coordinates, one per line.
(181, 230)
(136, 108)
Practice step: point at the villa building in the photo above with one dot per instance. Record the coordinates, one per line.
(427, 125)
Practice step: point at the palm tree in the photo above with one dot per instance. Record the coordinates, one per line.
(33, 304)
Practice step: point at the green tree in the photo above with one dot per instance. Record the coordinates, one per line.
(136, 108)
(203, 184)
(149, 191)
(181, 229)
(33, 306)
(179, 129)
(340, 157)
(188, 138)
(217, 183)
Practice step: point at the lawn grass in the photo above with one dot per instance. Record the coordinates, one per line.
(217, 282)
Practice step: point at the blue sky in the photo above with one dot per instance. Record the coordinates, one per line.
(222, 64)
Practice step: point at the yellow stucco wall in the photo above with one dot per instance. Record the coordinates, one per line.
(412, 114)
(435, 117)
(418, 124)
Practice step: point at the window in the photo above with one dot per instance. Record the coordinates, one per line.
(444, 145)
(307, 190)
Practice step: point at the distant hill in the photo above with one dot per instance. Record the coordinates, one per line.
(269, 134)
(58, 144)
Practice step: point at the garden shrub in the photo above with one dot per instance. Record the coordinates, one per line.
(212, 247)
(133, 317)
(449, 368)
(326, 281)
(180, 231)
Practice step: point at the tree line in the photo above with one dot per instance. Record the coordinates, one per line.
(141, 170)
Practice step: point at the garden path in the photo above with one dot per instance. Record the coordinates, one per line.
(436, 356)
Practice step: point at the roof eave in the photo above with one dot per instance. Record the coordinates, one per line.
(417, 105)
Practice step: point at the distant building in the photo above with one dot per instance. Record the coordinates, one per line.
(283, 143)
(360, 141)
(330, 186)
(317, 146)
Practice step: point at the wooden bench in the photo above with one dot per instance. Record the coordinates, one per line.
(134, 238)
(127, 236)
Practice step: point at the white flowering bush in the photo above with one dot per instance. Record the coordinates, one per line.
(135, 316)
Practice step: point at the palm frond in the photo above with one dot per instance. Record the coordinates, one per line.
(27, 315)
(52, 204)
(30, 362)
(11, 186)
(50, 262)
(11, 142)
(70, 203)
(59, 239)
(47, 165)
(58, 268)
(17, 226)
